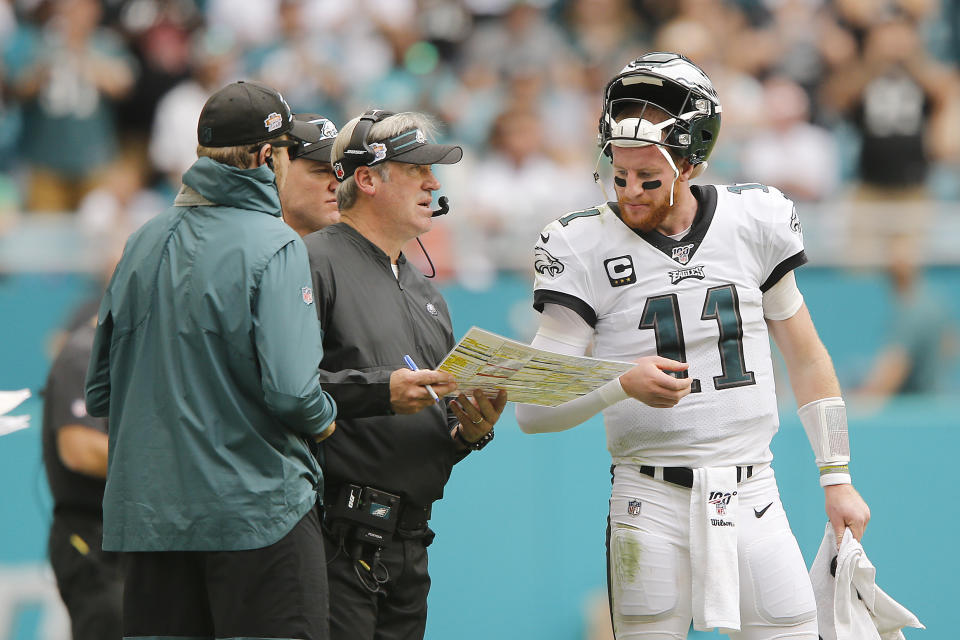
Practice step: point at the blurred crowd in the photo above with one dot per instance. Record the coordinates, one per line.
(825, 99)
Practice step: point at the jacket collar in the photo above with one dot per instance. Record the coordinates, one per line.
(364, 243)
(221, 184)
(187, 197)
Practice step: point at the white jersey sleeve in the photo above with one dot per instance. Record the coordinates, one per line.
(779, 234)
(561, 276)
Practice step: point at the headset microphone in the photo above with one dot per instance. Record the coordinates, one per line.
(444, 208)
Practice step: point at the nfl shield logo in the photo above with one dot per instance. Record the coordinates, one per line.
(633, 507)
(720, 506)
(682, 254)
(307, 294)
(338, 169)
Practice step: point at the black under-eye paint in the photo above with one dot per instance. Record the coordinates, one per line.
(650, 185)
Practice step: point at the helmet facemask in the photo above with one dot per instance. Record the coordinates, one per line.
(638, 132)
(668, 88)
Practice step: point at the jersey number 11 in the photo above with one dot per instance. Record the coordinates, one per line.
(662, 314)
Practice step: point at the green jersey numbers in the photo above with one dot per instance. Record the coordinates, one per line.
(740, 188)
(586, 213)
(662, 315)
(723, 305)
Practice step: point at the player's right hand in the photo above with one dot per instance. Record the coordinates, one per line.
(408, 393)
(649, 383)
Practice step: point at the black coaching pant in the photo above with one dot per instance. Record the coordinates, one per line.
(89, 580)
(278, 592)
(398, 610)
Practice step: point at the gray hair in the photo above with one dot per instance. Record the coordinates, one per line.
(389, 127)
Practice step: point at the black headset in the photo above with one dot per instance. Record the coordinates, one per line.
(358, 152)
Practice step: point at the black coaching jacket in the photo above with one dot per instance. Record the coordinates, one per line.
(370, 319)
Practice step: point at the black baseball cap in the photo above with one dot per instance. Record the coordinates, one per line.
(315, 135)
(243, 113)
(410, 146)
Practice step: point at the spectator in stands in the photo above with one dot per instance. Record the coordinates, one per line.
(921, 342)
(160, 40)
(67, 73)
(523, 38)
(523, 187)
(812, 173)
(602, 32)
(297, 63)
(120, 205)
(897, 97)
(173, 141)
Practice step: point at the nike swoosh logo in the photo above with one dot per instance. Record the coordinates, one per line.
(759, 512)
(544, 238)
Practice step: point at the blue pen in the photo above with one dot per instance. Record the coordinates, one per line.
(413, 367)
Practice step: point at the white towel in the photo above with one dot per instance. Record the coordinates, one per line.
(841, 614)
(10, 400)
(713, 549)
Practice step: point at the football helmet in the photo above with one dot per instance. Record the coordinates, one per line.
(675, 85)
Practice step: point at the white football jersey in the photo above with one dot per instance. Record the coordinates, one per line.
(696, 300)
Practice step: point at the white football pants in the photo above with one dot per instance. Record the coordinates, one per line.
(649, 562)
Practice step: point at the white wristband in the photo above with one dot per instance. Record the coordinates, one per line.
(830, 479)
(825, 421)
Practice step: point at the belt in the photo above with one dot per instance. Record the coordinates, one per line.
(413, 518)
(683, 476)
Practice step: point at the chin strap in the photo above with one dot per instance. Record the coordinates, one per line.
(596, 171)
(666, 154)
(676, 172)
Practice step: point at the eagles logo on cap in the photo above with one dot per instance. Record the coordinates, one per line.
(329, 130)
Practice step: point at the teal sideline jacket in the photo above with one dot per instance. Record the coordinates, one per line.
(205, 361)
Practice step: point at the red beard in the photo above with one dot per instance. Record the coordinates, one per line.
(652, 219)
